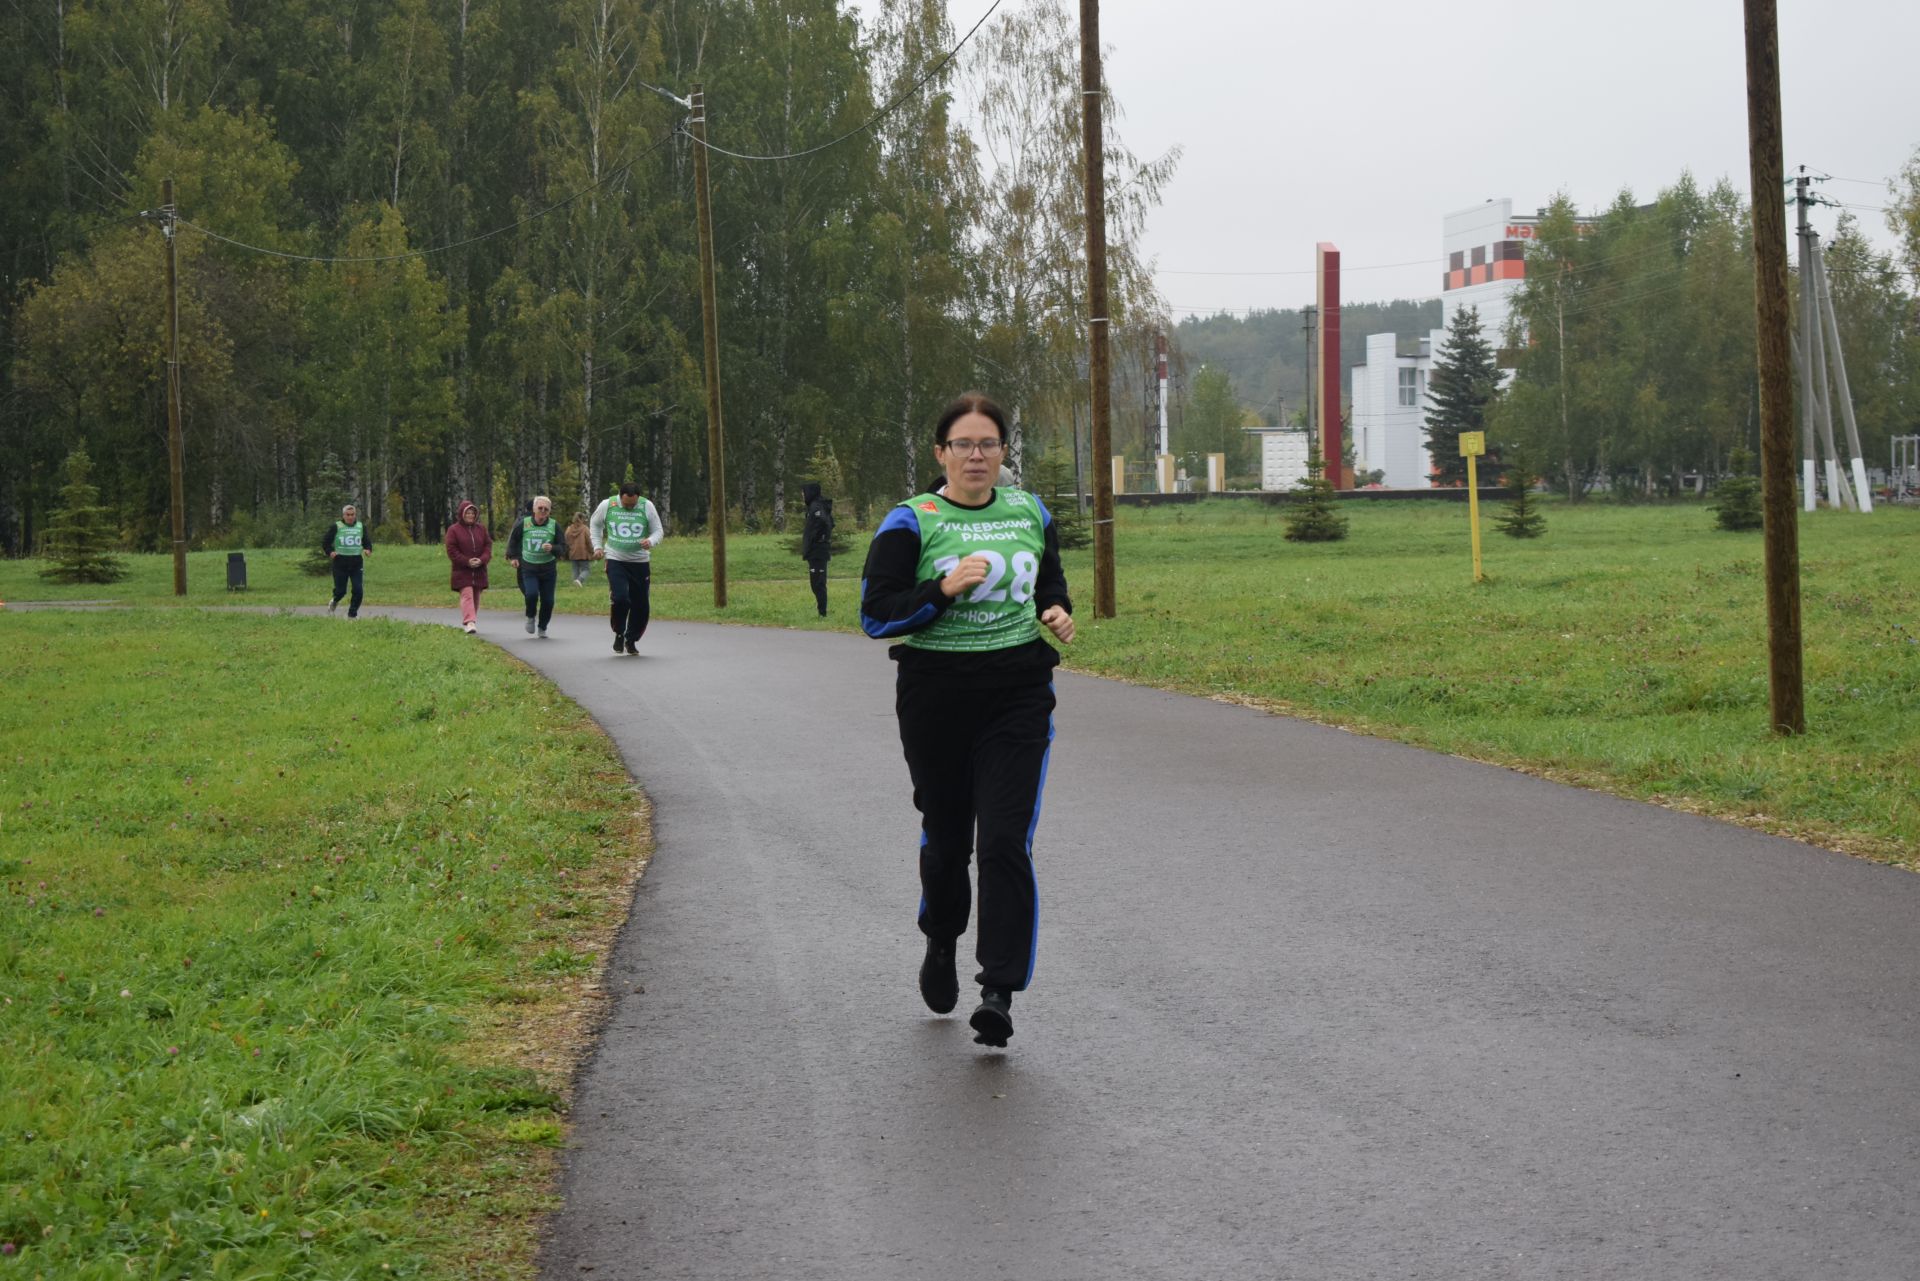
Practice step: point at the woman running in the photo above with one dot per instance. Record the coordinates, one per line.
(966, 579)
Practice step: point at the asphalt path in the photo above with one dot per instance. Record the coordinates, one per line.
(1307, 1005)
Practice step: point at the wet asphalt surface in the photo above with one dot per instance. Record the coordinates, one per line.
(1307, 1005)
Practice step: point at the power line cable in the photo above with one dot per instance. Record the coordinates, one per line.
(1305, 271)
(871, 121)
(556, 206)
(1579, 264)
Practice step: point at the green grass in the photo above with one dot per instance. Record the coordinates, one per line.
(1625, 650)
(294, 918)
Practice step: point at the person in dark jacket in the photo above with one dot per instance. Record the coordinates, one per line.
(530, 550)
(816, 541)
(469, 548)
(347, 544)
(969, 581)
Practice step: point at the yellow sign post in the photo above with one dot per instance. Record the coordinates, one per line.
(1472, 445)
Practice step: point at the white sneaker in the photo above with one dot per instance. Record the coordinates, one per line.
(332, 605)
(541, 634)
(470, 628)
(529, 627)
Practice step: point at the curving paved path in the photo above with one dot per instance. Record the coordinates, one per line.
(1307, 1005)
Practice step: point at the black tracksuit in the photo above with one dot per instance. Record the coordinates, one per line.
(348, 571)
(816, 543)
(977, 729)
(536, 581)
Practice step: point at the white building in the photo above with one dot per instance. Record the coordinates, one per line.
(1485, 250)
(1389, 399)
(1486, 253)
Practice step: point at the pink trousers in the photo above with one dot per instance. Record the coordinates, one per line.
(469, 605)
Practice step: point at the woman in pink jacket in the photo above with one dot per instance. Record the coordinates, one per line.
(469, 548)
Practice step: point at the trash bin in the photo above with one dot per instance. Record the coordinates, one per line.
(236, 571)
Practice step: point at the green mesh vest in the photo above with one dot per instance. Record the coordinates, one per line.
(347, 539)
(626, 526)
(999, 613)
(536, 541)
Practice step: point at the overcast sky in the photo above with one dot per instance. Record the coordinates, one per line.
(1365, 123)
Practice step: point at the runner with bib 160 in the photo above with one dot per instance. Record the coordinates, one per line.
(966, 579)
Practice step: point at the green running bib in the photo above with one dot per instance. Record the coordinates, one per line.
(999, 613)
(627, 526)
(536, 541)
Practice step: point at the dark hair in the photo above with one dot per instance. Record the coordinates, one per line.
(971, 403)
(629, 487)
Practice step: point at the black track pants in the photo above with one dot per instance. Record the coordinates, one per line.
(536, 584)
(627, 584)
(347, 572)
(817, 579)
(979, 762)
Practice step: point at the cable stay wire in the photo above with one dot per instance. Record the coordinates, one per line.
(877, 116)
(612, 175)
(1864, 182)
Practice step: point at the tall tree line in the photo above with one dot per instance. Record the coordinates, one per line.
(483, 279)
(1636, 341)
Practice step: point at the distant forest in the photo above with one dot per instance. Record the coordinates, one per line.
(1265, 353)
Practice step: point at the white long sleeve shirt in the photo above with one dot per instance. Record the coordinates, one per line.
(597, 530)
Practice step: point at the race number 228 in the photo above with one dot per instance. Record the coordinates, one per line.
(1025, 567)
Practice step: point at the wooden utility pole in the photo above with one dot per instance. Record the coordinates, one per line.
(710, 341)
(1782, 533)
(176, 466)
(1095, 149)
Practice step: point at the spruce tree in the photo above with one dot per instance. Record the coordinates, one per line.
(1738, 505)
(1523, 518)
(823, 469)
(1465, 379)
(394, 530)
(1052, 479)
(80, 535)
(1314, 519)
(326, 495)
(566, 488)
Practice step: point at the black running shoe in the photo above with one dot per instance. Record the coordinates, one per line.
(939, 985)
(632, 648)
(619, 643)
(993, 1021)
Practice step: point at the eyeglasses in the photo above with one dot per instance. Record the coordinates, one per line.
(984, 448)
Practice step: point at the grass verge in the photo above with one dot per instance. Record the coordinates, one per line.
(300, 938)
(1624, 651)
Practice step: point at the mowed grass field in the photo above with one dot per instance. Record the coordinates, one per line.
(1625, 650)
(298, 944)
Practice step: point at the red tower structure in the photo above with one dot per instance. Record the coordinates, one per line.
(1326, 275)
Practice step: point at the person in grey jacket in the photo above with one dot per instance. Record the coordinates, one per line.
(816, 541)
(625, 531)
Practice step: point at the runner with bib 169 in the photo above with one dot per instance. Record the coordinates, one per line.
(625, 531)
(967, 579)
